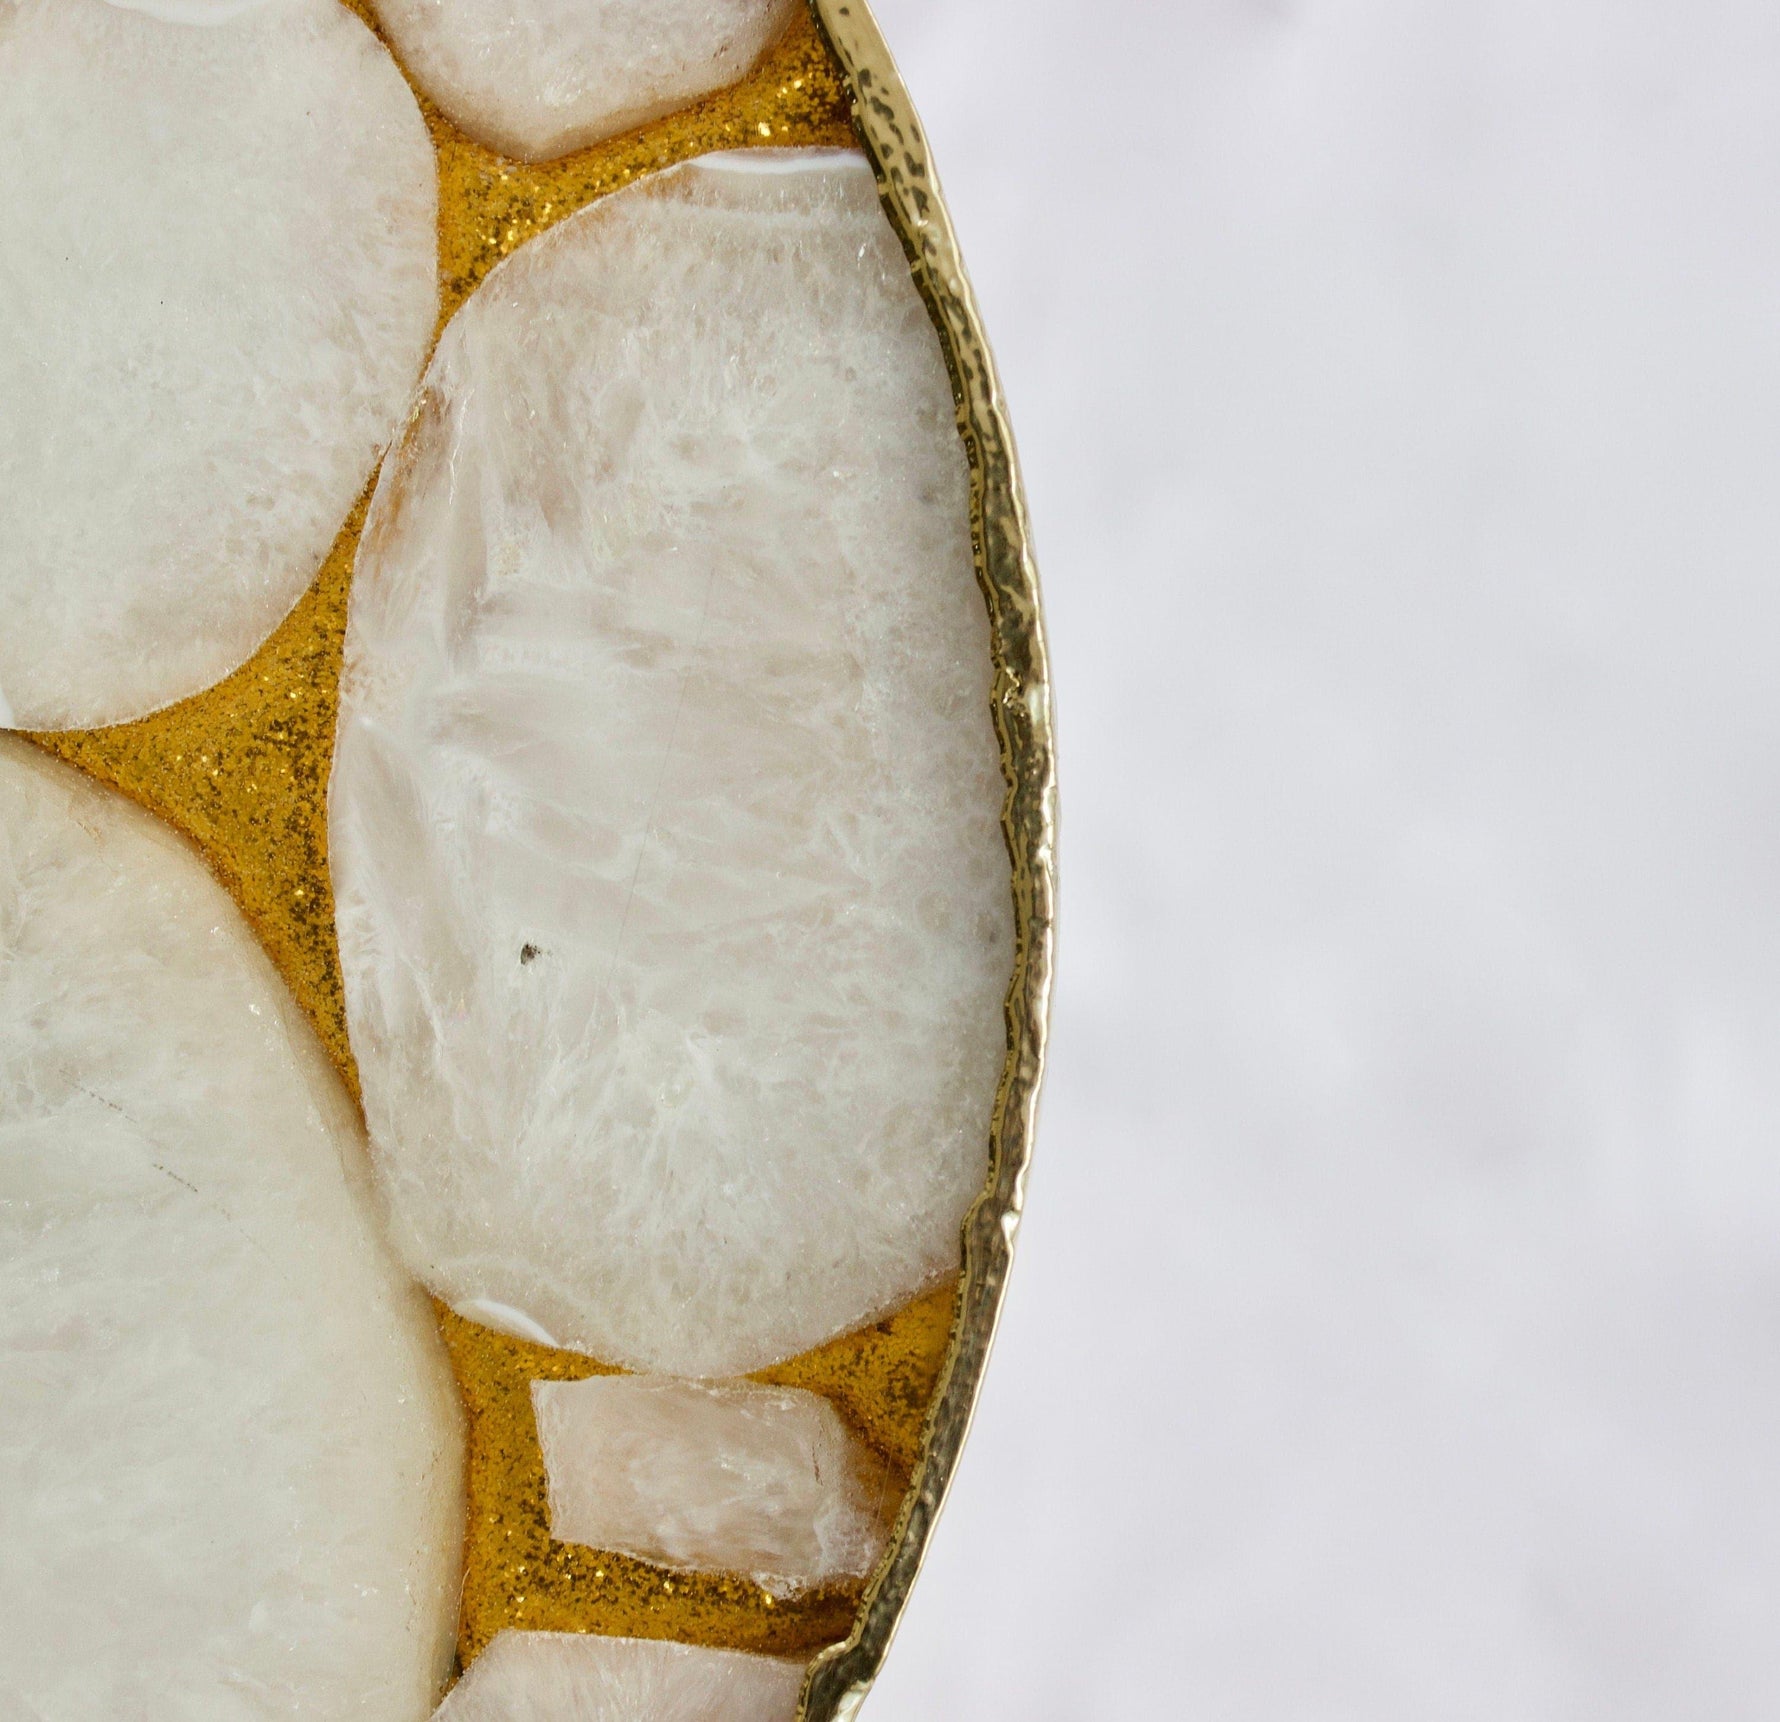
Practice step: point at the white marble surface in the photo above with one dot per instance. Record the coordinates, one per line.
(1394, 1330)
(561, 1677)
(711, 1477)
(673, 903)
(216, 290)
(230, 1447)
(539, 78)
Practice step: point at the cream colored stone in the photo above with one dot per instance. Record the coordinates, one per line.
(674, 909)
(216, 290)
(562, 1677)
(538, 78)
(230, 1449)
(711, 1477)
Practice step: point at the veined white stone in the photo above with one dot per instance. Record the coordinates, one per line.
(230, 1450)
(191, 11)
(673, 903)
(539, 78)
(566, 1677)
(218, 288)
(711, 1477)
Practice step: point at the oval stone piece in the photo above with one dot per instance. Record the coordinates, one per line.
(539, 78)
(673, 903)
(230, 1452)
(217, 290)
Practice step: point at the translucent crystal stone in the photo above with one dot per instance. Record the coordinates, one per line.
(567, 1677)
(538, 78)
(230, 1449)
(673, 903)
(729, 1477)
(217, 291)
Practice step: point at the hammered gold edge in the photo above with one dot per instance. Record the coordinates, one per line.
(888, 127)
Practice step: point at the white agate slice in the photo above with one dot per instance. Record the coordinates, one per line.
(721, 1477)
(564, 1677)
(218, 287)
(230, 1450)
(539, 78)
(673, 902)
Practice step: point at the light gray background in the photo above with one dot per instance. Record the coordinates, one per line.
(1396, 1333)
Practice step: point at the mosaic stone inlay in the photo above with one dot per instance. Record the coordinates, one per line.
(242, 770)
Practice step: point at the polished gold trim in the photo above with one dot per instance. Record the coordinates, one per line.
(888, 127)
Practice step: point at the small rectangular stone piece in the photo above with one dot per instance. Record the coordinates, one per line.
(714, 1477)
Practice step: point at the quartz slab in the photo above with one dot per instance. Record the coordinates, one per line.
(717, 1477)
(217, 294)
(539, 78)
(230, 1448)
(564, 1677)
(674, 909)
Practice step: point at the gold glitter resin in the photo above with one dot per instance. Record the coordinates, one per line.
(242, 769)
(489, 204)
(880, 1379)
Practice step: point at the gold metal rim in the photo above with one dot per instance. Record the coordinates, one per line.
(891, 133)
